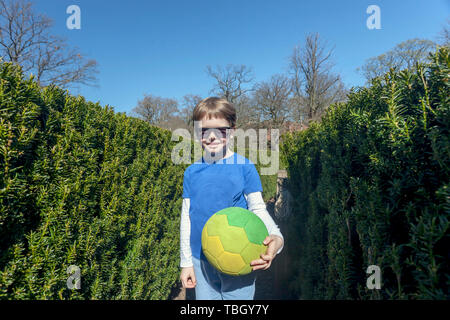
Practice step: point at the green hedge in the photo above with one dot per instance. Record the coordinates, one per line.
(83, 185)
(371, 187)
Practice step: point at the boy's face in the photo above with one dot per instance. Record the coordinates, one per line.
(213, 142)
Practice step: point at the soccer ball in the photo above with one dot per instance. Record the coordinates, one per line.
(232, 238)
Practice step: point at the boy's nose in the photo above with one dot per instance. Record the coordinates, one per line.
(211, 137)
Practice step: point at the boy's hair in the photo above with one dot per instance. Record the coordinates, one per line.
(214, 107)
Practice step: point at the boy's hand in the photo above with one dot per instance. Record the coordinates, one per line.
(273, 244)
(187, 277)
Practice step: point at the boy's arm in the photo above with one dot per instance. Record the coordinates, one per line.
(185, 235)
(256, 204)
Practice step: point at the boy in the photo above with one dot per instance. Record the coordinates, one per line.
(220, 179)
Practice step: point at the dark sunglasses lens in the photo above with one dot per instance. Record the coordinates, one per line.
(223, 131)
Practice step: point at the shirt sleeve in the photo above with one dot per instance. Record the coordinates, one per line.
(255, 204)
(186, 185)
(252, 181)
(185, 235)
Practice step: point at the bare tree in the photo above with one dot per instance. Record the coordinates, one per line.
(248, 115)
(156, 110)
(273, 99)
(25, 39)
(405, 55)
(231, 81)
(314, 85)
(444, 35)
(189, 102)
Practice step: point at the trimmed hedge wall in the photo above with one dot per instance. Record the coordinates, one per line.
(371, 187)
(83, 185)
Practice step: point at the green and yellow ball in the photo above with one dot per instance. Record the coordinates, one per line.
(232, 238)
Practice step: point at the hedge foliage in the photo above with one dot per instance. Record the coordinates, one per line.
(371, 187)
(83, 185)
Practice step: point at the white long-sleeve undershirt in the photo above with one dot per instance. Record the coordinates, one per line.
(255, 203)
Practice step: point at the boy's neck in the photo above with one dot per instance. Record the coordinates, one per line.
(211, 158)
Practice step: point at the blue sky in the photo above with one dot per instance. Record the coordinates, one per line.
(163, 47)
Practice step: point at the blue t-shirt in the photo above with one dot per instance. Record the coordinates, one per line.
(215, 186)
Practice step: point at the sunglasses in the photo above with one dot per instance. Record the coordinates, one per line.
(222, 130)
